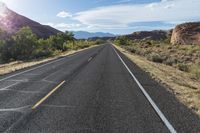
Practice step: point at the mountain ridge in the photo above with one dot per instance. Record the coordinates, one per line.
(11, 22)
(87, 35)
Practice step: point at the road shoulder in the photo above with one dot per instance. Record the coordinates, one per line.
(178, 83)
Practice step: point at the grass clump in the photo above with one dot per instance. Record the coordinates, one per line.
(183, 67)
(170, 61)
(195, 70)
(155, 57)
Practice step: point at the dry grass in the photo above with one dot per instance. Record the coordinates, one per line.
(17, 65)
(185, 88)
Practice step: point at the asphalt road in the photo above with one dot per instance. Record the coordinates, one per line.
(89, 92)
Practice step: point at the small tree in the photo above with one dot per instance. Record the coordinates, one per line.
(69, 36)
(121, 40)
(6, 50)
(59, 41)
(25, 43)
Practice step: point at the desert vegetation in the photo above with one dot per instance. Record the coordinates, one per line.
(24, 45)
(183, 57)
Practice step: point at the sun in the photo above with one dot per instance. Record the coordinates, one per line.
(4, 3)
(2, 9)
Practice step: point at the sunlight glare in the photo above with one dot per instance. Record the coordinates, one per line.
(2, 9)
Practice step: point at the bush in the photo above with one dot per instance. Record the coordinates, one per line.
(183, 67)
(195, 70)
(131, 49)
(5, 54)
(40, 53)
(99, 41)
(170, 61)
(147, 52)
(24, 45)
(44, 49)
(121, 40)
(156, 57)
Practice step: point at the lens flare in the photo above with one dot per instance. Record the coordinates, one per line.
(5, 23)
(2, 9)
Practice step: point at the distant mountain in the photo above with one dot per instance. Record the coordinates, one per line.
(86, 35)
(149, 35)
(11, 22)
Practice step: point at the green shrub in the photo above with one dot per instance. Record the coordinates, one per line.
(183, 67)
(155, 57)
(25, 45)
(99, 41)
(149, 43)
(83, 46)
(121, 40)
(195, 70)
(170, 61)
(40, 53)
(147, 52)
(131, 49)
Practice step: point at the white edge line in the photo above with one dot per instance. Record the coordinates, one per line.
(56, 60)
(9, 86)
(155, 107)
(14, 109)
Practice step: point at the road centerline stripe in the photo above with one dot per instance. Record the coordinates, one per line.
(155, 107)
(48, 95)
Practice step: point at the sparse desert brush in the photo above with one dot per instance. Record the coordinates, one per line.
(147, 52)
(169, 47)
(131, 49)
(183, 67)
(83, 46)
(178, 56)
(170, 61)
(155, 57)
(193, 49)
(195, 70)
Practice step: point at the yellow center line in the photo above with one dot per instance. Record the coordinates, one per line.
(48, 95)
(90, 59)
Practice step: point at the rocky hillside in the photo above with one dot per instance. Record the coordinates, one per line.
(149, 35)
(187, 33)
(11, 22)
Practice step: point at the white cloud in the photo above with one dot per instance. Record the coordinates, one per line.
(64, 14)
(66, 26)
(120, 16)
(169, 6)
(123, 1)
(50, 24)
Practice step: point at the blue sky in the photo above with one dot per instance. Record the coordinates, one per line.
(115, 16)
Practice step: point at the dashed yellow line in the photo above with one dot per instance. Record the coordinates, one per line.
(48, 95)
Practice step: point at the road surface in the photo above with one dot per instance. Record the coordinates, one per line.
(92, 91)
